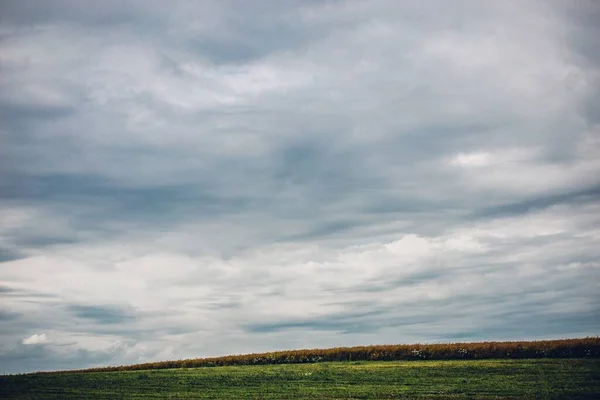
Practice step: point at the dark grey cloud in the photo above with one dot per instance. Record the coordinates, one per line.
(587, 195)
(10, 255)
(7, 316)
(465, 308)
(100, 314)
(14, 114)
(273, 31)
(370, 320)
(9, 291)
(233, 39)
(109, 199)
(68, 11)
(512, 326)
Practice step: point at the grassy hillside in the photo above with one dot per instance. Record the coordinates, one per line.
(447, 379)
(565, 348)
(553, 369)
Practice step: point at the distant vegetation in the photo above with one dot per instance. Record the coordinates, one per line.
(565, 348)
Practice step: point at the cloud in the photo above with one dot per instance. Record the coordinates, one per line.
(209, 177)
(584, 196)
(100, 315)
(36, 339)
(472, 159)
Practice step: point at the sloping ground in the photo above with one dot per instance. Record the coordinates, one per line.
(565, 348)
(464, 379)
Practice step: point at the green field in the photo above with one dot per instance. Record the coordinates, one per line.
(465, 379)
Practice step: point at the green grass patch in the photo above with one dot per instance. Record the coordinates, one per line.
(446, 379)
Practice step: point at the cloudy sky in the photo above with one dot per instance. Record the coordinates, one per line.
(203, 178)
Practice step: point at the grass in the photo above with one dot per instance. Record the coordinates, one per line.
(445, 379)
(562, 348)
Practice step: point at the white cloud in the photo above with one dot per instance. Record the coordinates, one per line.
(472, 159)
(36, 339)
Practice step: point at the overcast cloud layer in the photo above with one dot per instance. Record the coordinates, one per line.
(203, 178)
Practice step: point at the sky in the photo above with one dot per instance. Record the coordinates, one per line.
(201, 178)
